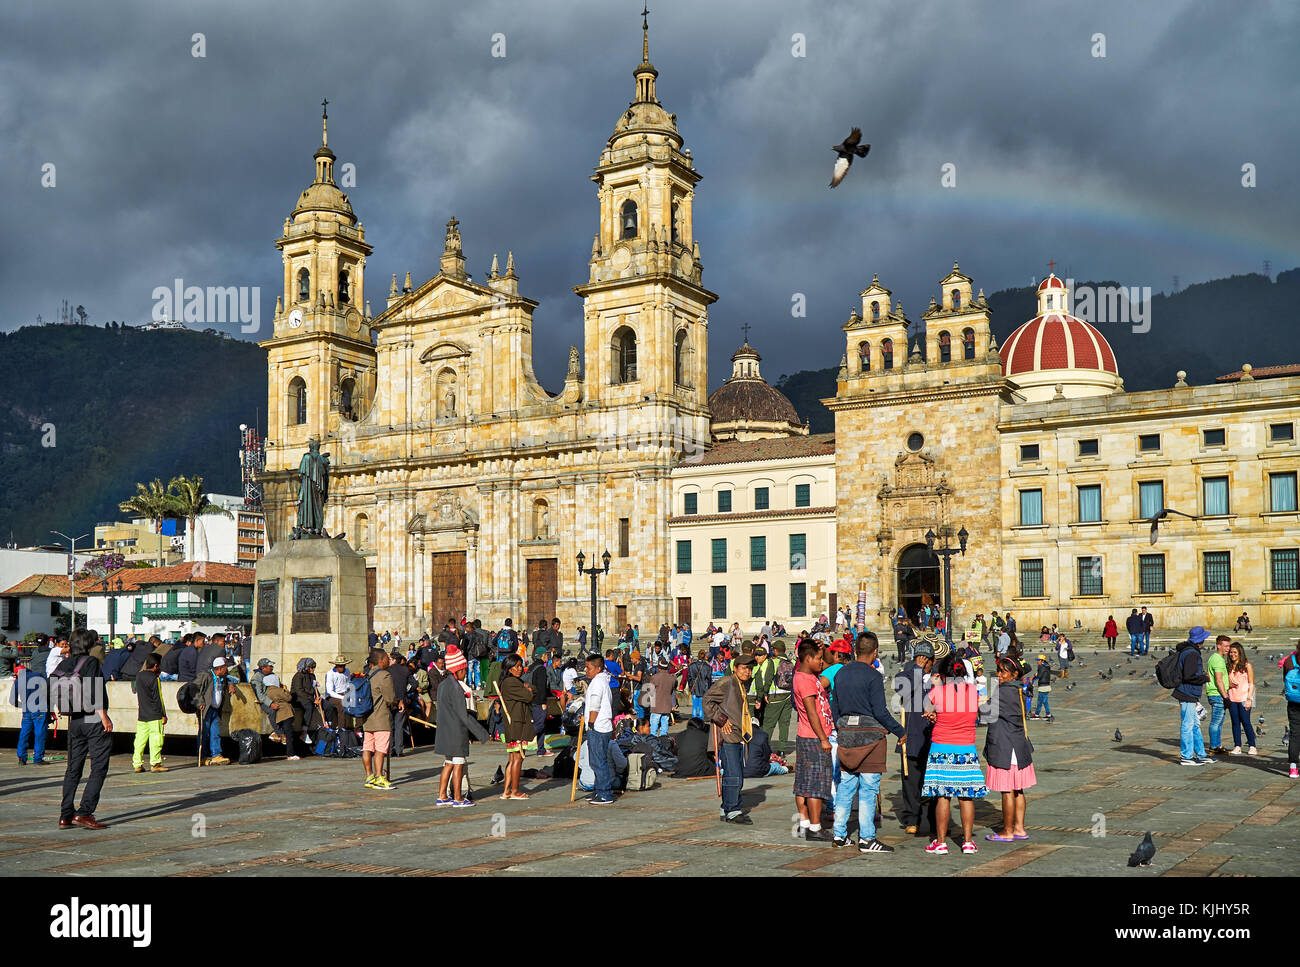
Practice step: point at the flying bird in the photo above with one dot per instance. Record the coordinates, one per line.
(1119, 736)
(844, 152)
(1144, 854)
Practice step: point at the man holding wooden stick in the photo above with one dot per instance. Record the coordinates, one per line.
(598, 715)
(726, 705)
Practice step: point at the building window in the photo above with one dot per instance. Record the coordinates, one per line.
(758, 600)
(623, 348)
(304, 285)
(1218, 570)
(803, 495)
(1151, 574)
(968, 343)
(679, 359)
(692, 503)
(1090, 504)
(297, 401)
(760, 498)
(628, 220)
(864, 357)
(886, 354)
(956, 298)
(1149, 443)
(798, 601)
(724, 501)
(798, 552)
(875, 311)
(343, 287)
(758, 553)
(1028, 452)
(1090, 576)
(1031, 578)
(1214, 438)
(1286, 569)
(1281, 432)
(719, 555)
(1214, 491)
(915, 441)
(1031, 508)
(1151, 498)
(1088, 448)
(624, 536)
(209, 596)
(719, 601)
(683, 557)
(54, 609)
(1282, 492)
(1049, 301)
(673, 217)
(945, 347)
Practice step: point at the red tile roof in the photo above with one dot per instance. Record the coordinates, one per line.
(751, 515)
(748, 451)
(40, 586)
(196, 572)
(1262, 372)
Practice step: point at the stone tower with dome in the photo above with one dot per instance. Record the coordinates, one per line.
(745, 407)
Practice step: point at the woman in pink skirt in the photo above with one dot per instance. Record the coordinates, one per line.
(1009, 754)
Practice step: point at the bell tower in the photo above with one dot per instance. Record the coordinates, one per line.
(321, 360)
(644, 304)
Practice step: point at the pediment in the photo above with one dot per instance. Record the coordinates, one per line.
(443, 351)
(442, 296)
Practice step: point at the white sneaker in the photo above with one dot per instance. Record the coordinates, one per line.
(1235, 750)
(292, 758)
(1252, 751)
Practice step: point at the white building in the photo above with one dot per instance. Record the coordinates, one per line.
(239, 539)
(34, 605)
(170, 601)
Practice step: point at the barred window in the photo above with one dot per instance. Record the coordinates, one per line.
(683, 557)
(719, 555)
(758, 600)
(1031, 578)
(758, 553)
(719, 601)
(798, 552)
(1090, 575)
(802, 495)
(1218, 570)
(1286, 569)
(724, 501)
(760, 498)
(1151, 573)
(692, 503)
(798, 601)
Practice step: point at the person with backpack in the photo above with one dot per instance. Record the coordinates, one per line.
(31, 693)
(507, 640)
(77, 687)
(699, 678)
(1290, 666)
(150, 717)
(1043, 682)
(211, 693)
(378, 726)
(778, 710)
(1183, 671)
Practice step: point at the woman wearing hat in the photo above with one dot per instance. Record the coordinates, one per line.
(336, 690)
(953, 766)
(1010, 754)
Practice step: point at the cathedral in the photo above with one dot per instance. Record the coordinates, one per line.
(467, 486)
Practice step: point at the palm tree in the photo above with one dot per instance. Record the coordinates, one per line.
(152, 502)
(189, 502)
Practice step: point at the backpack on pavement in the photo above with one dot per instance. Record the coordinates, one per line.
(641, 773)
(250, 746)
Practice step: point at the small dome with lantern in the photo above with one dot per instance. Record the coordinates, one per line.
(1056, 354)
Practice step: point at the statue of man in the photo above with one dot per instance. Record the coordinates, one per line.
(313, 489)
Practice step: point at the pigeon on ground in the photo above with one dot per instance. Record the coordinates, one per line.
(845, 152)
(1144, 854)
(1119, 736)
(1286, 736)
(1070, 687)
(498, 777)
(1263, 684)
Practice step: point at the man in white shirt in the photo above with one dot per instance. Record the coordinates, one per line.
(600, 729)
(336, 689)
(58, 652)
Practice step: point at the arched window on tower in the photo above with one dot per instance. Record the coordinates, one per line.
(304, 285)
(623, 348)
(297, 401)
(875, 311)
(968, 343)
(945, 347)
(887, 354)
(1049, 301)
(864, 357)
(956, 298)
(628, 220)
(675, 228)
(343, 286)
(679, 359)
(347, 399)
(361, 530)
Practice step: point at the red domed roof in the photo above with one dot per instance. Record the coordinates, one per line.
(1051, 282)
(1056, 341)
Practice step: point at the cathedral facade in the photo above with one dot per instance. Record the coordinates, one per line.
(467, 486)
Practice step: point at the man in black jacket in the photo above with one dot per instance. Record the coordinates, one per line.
(400, 672)
(858, 703)
(758, 757)
(89, 732)
(1136, 629)
(187, 667)
(1188, 694)
(536, 677)
(909, 684)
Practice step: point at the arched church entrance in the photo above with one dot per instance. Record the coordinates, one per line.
(919, 579)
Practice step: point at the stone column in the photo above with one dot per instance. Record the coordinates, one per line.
(471, 572)
(420, 605)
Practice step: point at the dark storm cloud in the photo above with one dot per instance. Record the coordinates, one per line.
(1126, 167)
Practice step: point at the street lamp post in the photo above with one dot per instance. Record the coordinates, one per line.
(593, 571)
(72, 572)
(946, 552)
(111, 590)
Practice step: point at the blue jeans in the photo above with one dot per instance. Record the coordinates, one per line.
(776, 769)
(1134, 644)
(472, 678)
(1043, 702)
(659, 723)
(1217, 711)
(866, 788)
(33, 733)
(598, 756)
(212, 731)
(732, 762)
(1146, 642)
(697, 706)
(1190, 743)
(1241, 717)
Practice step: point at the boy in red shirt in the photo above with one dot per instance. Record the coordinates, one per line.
(812, 765)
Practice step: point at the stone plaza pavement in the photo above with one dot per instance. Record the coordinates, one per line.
(312, 817)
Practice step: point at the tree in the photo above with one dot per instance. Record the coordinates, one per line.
(153, 502)
(189, 503)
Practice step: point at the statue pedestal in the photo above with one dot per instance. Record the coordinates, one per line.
(310, 602)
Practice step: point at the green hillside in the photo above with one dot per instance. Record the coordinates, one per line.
(1207, 330)
(125, 405)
